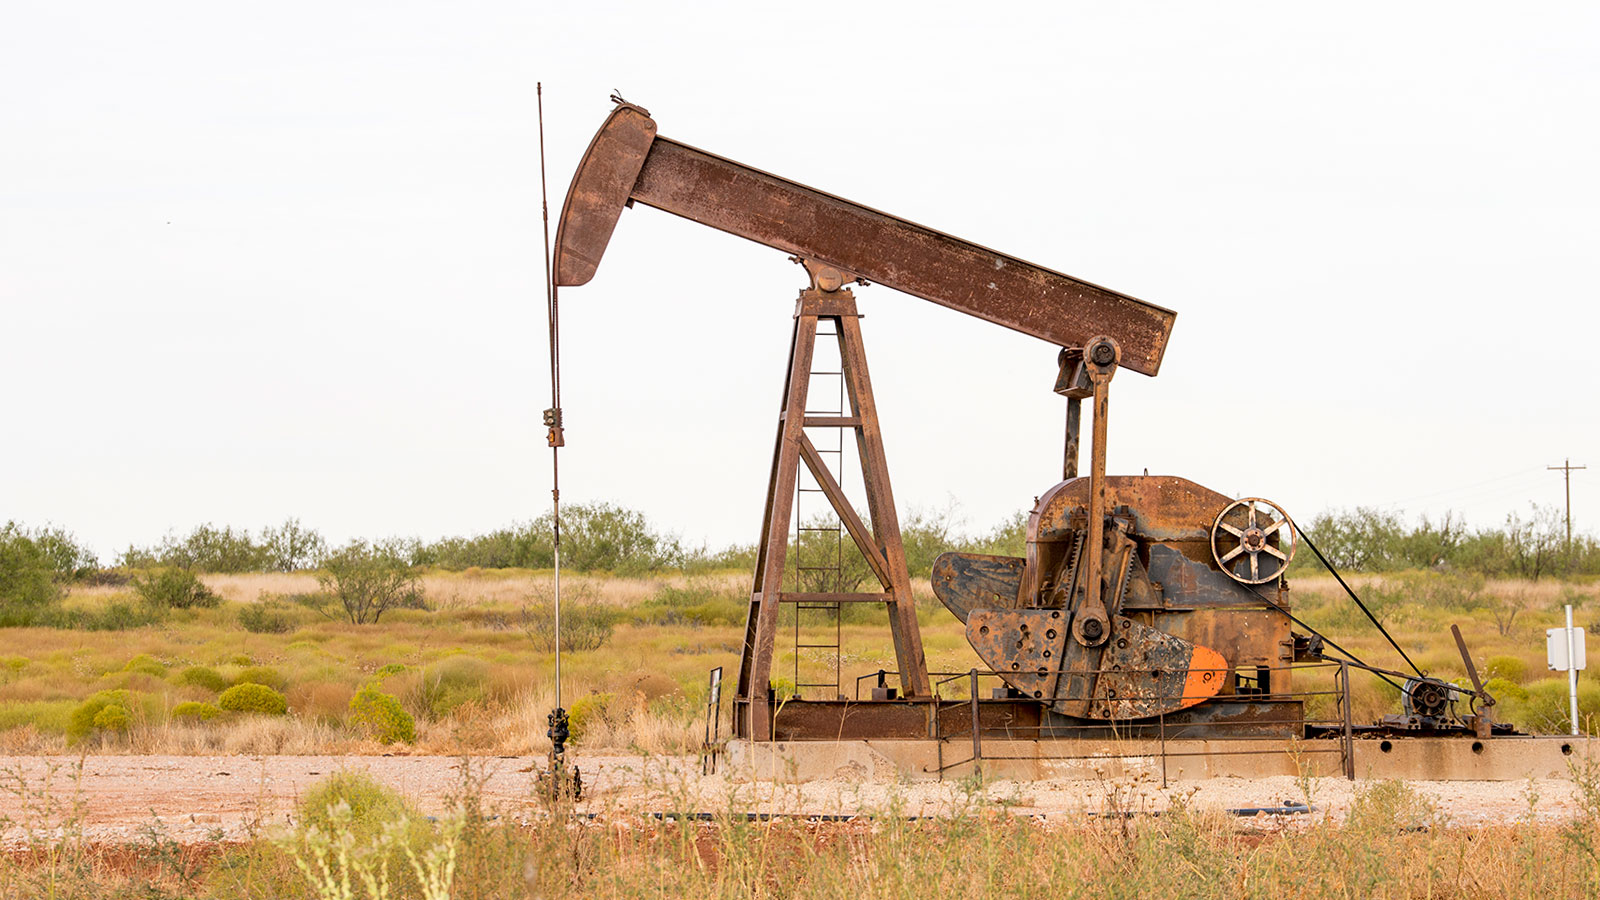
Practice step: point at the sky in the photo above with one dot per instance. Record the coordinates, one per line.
(271, 260)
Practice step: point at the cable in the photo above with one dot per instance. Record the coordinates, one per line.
(1327, 640)
(1370, 616)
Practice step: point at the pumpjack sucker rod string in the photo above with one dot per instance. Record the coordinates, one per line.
(552, 416)
(1381, 630)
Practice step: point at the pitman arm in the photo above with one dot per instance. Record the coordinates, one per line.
(628, 162)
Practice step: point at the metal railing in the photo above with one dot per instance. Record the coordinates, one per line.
(1155, 727)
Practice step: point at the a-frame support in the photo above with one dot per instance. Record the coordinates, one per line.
(881, 545)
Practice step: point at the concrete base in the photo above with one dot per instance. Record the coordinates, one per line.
(1411, 758)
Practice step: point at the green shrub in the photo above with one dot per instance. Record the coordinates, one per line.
(205, 549)
(698, 602)
(253, 698)
(388, 669)
(1503, 689)
(190, 711)
(586, 624)
(147, 664)
(51, 716)
(175, 588)
(113, 718)
(1545, 711)
(783, 689)
(382, 717)
(266, 675)
(241, 659)
(201, 677)
(1511, 668)
(114, 616)
(371, 804)
(27, 576)
(450, 683)
(367, 580)
(587, 712)
(266, 618)
(81, 723)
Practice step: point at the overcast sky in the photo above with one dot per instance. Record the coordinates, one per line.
(271, 260)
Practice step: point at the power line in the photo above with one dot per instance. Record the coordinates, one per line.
(1466, 488)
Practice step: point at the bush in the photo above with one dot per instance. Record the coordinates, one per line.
(585, 624)
(382, 717)
(388, 669)
(52, 716)
(253, 698)
(783, 689)
(594, 537)
(450, 683)
(113, 718)
(82, 722)
(27, 576)
(205, 549)
(1502, 689)
(372, 805)
(265, 618)
(587, 712)
(1510, 668)
(201, 677)
(291, 547)
(147, 664)
(175, 589)
(266, 675)
(190, 711)
(321, 701)
(698, 602)
(368, 580)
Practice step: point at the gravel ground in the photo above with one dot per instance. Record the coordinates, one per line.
(204, 798)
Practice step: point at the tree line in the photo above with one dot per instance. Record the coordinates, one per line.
(35, 564)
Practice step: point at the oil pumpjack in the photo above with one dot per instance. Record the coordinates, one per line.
(1141, 598)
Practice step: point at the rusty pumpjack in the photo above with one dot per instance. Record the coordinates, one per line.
(1140, 596)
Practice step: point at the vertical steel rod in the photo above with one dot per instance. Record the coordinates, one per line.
(1572, 670)
(1348, 743)
(555, 392)
(977, 733)
(1163, 722)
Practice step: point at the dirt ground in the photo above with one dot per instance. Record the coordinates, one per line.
(208, 798)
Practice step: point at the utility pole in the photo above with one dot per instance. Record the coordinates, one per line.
(1566, 469)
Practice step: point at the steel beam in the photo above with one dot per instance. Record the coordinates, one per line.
(885, 249)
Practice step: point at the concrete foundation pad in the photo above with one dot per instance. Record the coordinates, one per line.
(1411, 758)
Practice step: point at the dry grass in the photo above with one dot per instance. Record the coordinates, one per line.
(501, 698)
(1392, 844)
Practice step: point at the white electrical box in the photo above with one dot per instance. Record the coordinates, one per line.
(1555, 648)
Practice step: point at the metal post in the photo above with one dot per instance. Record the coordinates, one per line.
(1572, 670)
(977, 733)
(1349, 745)
(1163, 721)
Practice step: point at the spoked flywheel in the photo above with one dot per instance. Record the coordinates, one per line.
(1253, 540)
